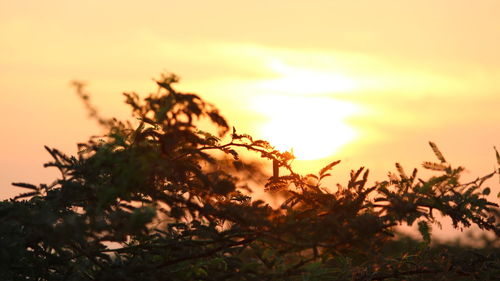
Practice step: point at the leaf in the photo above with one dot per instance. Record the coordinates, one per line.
(414, 174)
(438, 153)
(223, 187)
(325, 175)
(311, 176)
(138, 131)
(261, 143)
(401, 171)
(483, 179)
(497, 155)
(434, 166)
(392, 177)
(487, 191)
(424, 229)
(328, 167)
(25, 185)
(26, 195)
(234, 154)
(426, 188)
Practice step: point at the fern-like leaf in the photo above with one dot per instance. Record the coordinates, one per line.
(438, 153)
(329, 167)
(434, 166)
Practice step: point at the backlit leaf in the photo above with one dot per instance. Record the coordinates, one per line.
(438, 153)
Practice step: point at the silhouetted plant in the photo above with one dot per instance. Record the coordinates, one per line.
(164, 200)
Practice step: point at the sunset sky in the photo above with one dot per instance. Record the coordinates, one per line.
(366, 82)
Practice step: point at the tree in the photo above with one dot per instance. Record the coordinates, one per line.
(164, 200)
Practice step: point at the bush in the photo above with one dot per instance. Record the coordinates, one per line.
(166, 201)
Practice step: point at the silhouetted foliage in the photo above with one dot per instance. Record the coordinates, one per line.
(164, 200)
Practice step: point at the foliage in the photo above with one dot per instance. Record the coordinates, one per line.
(166, 201)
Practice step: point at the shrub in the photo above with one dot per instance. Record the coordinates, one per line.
(164, 200)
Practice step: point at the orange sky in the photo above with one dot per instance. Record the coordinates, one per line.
(376, 79)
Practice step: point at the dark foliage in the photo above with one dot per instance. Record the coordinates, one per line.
(166, 201)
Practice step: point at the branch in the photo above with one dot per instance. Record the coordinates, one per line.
(207, 253)
(412, 272)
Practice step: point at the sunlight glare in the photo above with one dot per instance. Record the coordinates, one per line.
(297, 80)
(313, 127)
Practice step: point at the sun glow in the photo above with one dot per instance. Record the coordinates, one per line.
(301, 114)
(297, 80)
(313, 127)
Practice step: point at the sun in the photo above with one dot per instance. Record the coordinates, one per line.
(301, 113)
(313, 127)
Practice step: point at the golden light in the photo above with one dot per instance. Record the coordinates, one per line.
(313, 127)
(301, 114)
(298, 80)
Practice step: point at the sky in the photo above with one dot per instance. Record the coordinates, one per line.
(366, 82)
